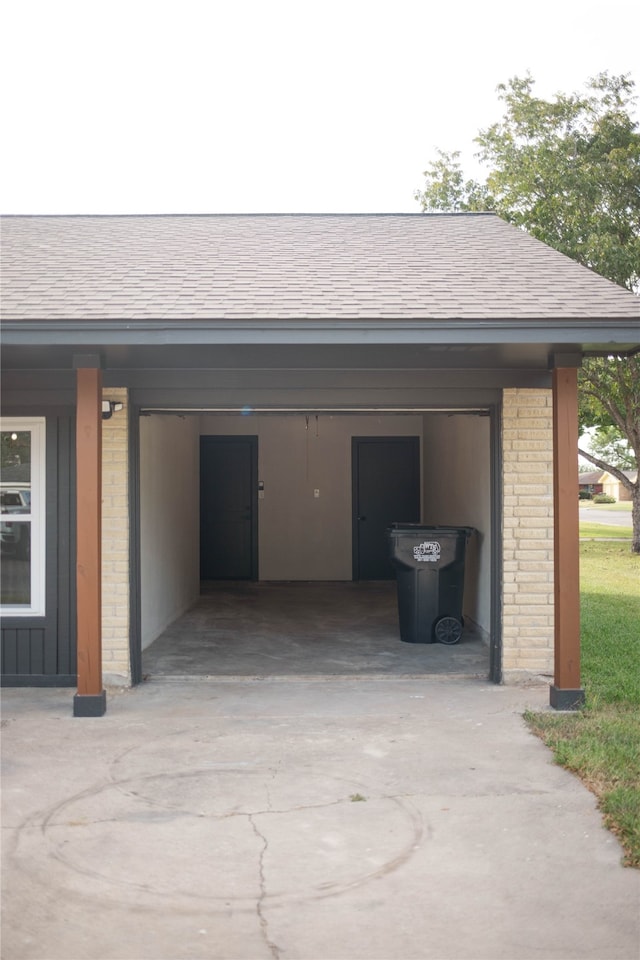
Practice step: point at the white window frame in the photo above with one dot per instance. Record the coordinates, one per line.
(36, 426)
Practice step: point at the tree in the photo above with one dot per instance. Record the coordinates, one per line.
(567, 170)
(610, 401)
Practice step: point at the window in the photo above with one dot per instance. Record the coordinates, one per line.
(22, 516)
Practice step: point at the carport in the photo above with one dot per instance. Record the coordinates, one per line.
(130, 340)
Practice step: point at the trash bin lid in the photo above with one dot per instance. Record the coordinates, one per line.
(418, 529)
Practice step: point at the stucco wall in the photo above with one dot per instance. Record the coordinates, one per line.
(528, 600)
(457, 491)
(169, 520)
(302, 537)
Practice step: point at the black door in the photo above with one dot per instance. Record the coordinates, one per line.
(228, 508)
(386, 490)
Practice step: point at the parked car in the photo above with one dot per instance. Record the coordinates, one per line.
(15, 536)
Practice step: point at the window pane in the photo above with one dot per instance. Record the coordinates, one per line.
(15, 458)
(15, 563)
(22, 516)
(15, 502)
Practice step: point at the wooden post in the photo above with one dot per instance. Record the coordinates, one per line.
(90, 700)
(566, 693)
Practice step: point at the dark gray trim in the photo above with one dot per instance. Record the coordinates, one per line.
(566, 699)
(496, 481)
(91, 361)
(586, 332)
(329, 398)
(90, 704)
(38, 680)
(135, 573)
(565, 359)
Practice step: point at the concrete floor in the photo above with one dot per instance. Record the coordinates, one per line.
(245, 629)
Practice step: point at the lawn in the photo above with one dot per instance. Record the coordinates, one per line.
(601, 743)
(603, 531)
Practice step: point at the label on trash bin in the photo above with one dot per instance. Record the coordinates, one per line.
(429, 551)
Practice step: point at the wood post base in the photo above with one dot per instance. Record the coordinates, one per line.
(90, 704)
(561, 699)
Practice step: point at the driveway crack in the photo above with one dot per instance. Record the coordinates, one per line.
(264, 926)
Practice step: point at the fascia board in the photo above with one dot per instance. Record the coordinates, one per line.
(92, 333)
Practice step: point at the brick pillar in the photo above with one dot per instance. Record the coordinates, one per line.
(527, 601)
(116, 660)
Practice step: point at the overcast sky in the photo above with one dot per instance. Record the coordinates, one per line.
(205, 106)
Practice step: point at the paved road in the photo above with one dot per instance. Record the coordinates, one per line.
(611, 518)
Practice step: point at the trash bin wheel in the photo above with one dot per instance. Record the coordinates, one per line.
(448, 630)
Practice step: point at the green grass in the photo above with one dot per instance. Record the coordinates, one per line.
(601, 743)
(603, 531)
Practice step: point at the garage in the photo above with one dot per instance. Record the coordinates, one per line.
(300, 502)
(313, 358)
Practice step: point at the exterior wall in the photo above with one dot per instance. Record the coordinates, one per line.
(528, 599)
(613, 488)
(457, 491)
(169, 520)
(115, 542)
(294, 458)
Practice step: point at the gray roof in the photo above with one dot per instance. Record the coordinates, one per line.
(591, 476)
(316, 266)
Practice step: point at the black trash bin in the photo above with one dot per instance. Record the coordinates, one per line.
(429, 565)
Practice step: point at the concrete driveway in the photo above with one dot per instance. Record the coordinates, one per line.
(303, 820)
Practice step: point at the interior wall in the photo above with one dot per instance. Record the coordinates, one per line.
(457, 492)
(301, 536)
(169, 520)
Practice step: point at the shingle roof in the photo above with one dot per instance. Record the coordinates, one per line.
(317, 266)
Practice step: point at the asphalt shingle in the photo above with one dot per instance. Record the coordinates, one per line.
(316, 266)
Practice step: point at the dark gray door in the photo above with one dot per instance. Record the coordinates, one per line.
(228, 508)
(386, 490)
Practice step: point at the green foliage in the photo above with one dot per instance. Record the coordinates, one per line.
(584, 495)
(608, 444)
(609, 399)
(603, 498)
(567, 170)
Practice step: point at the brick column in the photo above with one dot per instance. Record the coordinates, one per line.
(527, 601)
(115, 541)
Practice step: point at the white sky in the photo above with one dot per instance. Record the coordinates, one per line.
(205, 106)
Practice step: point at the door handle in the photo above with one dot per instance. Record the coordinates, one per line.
(361, 518)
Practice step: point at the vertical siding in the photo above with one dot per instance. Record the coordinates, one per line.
(41, 651)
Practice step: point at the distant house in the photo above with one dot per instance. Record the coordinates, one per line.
(590, 482)
(615, 488)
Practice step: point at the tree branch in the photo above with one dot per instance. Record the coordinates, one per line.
(614, 471)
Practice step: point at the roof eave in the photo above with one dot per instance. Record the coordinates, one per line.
(590, 335)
